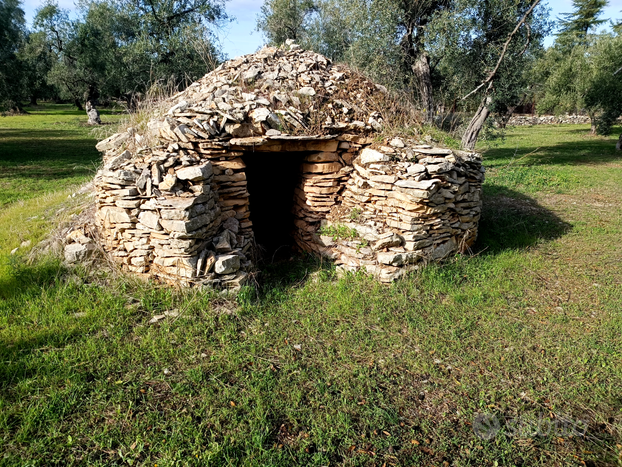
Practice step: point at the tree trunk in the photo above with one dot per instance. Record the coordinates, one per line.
(93, 114)
(92, 94)
(469, 139)
(592, 124)
(505, 117)
(33, 100)
(17, 109)
(619, 145)
(421, 69)
(76, 102)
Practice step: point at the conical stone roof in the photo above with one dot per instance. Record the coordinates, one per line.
(278, 91)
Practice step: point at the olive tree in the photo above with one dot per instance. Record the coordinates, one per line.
(120, 48)
(12, 35)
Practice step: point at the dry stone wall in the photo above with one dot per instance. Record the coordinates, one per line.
(523, 120)
(173, 199)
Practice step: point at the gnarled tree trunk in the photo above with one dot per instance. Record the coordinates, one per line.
(619, 144)
(505, 117)
(592, 123)
(421, 70)
(469, 139)
(93, 114)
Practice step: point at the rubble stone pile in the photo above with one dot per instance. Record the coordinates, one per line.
(173, 198)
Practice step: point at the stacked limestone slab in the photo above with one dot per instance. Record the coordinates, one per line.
(173, 199)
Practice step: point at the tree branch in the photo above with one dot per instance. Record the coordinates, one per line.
(527, 41)
(504, 50)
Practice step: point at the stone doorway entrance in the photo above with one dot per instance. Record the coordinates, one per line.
(272, 178)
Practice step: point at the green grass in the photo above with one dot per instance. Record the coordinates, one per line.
(49, 149)
(308, 370)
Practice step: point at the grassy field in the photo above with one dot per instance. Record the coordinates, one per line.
(50, 149)
(309, 370)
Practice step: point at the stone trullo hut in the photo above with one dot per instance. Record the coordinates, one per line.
(276, 146)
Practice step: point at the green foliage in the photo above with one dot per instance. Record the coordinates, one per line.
(604, 91)
(339, 232)
(584, 79)
(37, 60)
(280, 20)
(575, 26)
(11, 38)
(468, 42)
(355, 214)
(121, 48)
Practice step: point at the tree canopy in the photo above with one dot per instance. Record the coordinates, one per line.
(436, 50)
(120, 48)
(12, 36)
(574, 27)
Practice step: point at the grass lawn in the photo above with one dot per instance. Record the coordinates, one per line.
(49, 149)
(309, 370)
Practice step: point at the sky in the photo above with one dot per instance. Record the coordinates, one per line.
(239, 37)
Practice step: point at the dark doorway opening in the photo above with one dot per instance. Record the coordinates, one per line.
(272, 178)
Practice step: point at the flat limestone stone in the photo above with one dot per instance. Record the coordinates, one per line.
(115, 215)
(415, 169)
(324, 168)
(422, 185)
(195, 173)
(186, 226)
(112, 142)
(433, 151)
(226, 264)
(322, 157)
(150, 219)
(369, 156)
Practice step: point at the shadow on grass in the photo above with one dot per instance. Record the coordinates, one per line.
(59, 147)
(287, 274)
(67, 110)
(21, 284)
(510, 221)
(24, 279)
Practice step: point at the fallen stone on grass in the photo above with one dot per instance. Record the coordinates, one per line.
(77, 252)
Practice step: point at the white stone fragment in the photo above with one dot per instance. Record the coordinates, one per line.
(397, 143)
(227, 264)
(307, 91)
(168, 182)
(77, 252)
(195, 173)
(371, 155)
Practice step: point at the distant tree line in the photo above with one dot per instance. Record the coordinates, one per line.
(474, 57)
(105, 49)
(440, 51)
(582, 71)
